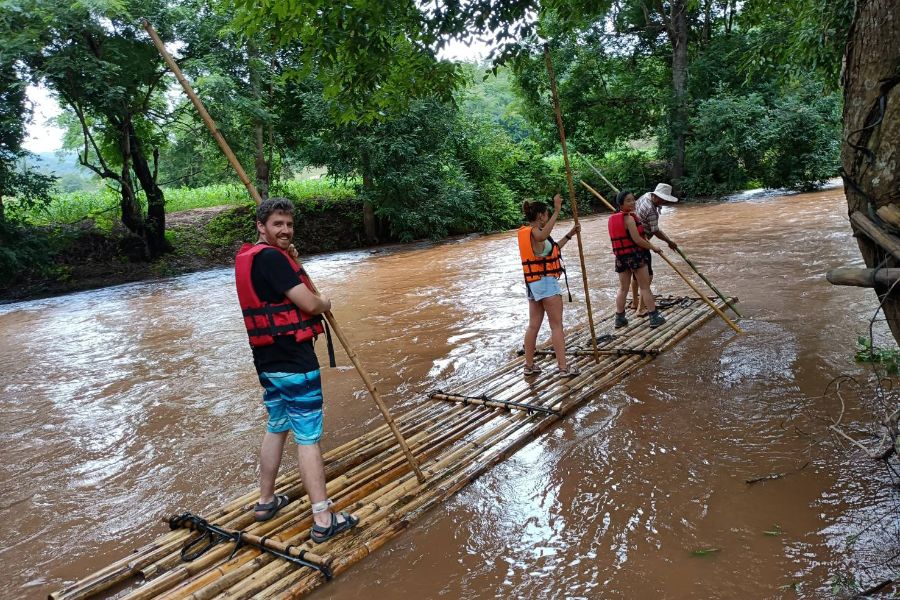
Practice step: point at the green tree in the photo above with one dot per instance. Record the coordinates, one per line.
(16, 179)
(108, 76)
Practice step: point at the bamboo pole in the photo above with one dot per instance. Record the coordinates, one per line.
(674, 268)
(562, 138)
(198, 104)
(597, 171)
(702, 296)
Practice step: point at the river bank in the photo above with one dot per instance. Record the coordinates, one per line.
(84, 257)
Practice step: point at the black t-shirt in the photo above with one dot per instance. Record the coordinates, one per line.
(272, 276)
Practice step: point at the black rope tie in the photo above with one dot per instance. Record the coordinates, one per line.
(213, 535)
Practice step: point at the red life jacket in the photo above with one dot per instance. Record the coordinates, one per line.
(618, 234)
(536, 266)
(265, 320)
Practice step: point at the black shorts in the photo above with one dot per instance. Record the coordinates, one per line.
(649, 256)
(631, 261)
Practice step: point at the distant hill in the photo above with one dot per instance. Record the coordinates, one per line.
(56, 163)
(71, 176)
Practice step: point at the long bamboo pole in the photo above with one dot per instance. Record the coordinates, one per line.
(198, 104)
(677, 249)
(562, 139)
(674, 268)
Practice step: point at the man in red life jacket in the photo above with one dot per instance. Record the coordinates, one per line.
(282, 315)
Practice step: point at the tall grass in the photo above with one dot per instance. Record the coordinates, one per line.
(103, 206)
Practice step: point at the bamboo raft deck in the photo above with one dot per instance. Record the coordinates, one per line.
(456, 435)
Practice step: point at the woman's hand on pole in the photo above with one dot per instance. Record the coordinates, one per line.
(557, 202)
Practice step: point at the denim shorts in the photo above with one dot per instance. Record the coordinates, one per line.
(545, 287)
(294, 401)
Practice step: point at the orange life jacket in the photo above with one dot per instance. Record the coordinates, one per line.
(618, 234)
(536, 266)
(265, 320)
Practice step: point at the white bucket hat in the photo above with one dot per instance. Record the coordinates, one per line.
(664, 191)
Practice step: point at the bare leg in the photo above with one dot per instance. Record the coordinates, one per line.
(554, 308)
(649, 302)
(643, 279)
(535, 318)
(269, 461)
(312, 472)
(635, 294)
(622, 295)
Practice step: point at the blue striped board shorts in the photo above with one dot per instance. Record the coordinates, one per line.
(544, 287)
(294, 402)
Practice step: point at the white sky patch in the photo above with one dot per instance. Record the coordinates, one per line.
(472, 50)
(41, 134)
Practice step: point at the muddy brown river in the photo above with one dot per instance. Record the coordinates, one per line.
(123, 405)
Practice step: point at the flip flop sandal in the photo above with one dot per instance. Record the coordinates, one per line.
(270, 508)
(535, 370)
(319, 534)
(572, 371)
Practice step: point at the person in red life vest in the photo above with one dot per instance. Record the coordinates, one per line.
(542, 266)
(628, 245)
(282, 315)
(647, 210)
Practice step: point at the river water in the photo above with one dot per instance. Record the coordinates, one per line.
(124, 405)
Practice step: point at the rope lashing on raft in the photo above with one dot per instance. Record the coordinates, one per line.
(210, 535)
(580, 351)
(485, 400)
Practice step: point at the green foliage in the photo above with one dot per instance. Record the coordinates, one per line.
(372, 57)
(24, 251)
(790, 140)
(101, 206)
(796, 39)
(886, 358)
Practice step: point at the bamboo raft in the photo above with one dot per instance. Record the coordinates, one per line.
(456, 436)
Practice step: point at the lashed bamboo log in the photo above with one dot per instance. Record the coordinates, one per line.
(867, 278)
(889, 242)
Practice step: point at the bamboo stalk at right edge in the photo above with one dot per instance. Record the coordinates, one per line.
(232, 159)
(678, 250)
(674, 268)
(562, 139)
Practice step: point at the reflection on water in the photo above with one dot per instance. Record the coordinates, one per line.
(126, 404)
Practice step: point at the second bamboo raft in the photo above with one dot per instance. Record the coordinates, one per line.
(456, 436)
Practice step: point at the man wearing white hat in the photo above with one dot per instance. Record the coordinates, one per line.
(647, 209)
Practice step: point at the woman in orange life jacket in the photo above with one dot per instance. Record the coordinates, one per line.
(542, 266)
(630, 248)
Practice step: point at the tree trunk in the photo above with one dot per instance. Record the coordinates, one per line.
(128, 203)
(870, 145)
(155, 223)
(370, 225)
(262, 165)
(679, 39)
